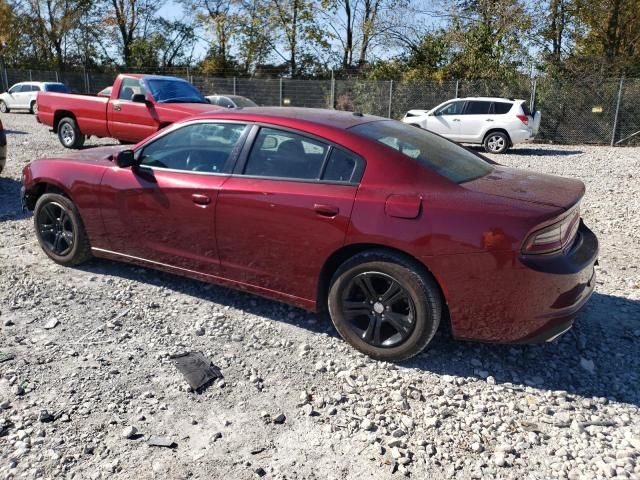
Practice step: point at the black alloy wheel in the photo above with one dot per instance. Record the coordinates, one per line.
(56, 228)
(378, 309)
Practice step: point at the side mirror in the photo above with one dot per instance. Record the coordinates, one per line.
(139, 98)
(126, 159)
(229, 106)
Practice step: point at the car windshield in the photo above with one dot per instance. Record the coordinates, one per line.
(169, 90)
(445, 157)
(244, 102)
(56, 87)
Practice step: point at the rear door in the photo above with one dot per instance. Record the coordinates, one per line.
(164, 210)
(285, 210)
(476, 120)
(128, 120)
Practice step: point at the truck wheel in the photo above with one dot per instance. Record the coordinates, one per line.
(69, 134)
(3, 107)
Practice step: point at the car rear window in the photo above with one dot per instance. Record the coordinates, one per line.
(55, 87)
(525, 109)
(500, 108)
(430, 150)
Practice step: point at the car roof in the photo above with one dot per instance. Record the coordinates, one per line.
(493, 99)
(320, 116)
(153, 77)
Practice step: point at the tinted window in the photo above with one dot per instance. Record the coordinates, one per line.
(200, 147)
(340, 167)
(224, 102)
(173, 90)
(129, 87)
(56, 87)
(430, 150)
(500, 108)
(244, 102)
(525, 109)
(453, 108)
(15, 89)
(34, 88)
(281, 154)
(477, 108)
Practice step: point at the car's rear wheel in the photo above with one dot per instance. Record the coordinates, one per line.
(34, 107)
(385, 305)
(496, 142)
(60, 231)
(69, 134)
(3, 107)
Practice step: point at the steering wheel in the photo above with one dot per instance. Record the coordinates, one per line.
(197, 162)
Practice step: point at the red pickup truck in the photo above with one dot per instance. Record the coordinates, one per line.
(139, 105)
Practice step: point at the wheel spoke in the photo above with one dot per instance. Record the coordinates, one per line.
(372, 333)
(48, 211)
(364, 283)
(400, 322)
(56, 243)
(353, 309)
(393, 293)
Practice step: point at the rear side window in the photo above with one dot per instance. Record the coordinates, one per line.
(500, 108)
(477, 108)
(35, 88)
(129, 88)
(430, 150)
(341, 167)
(281, 154)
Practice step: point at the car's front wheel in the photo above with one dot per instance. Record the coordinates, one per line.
(60, 231)
(496, 142)
(3, 107)
(385, 305)
(69, 134)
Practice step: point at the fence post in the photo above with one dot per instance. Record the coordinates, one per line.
(390, 97)
(532, 102)
(30, 76)
(280, 91)
(333, 91)
(615, 120)
(57, 77)
(457, 85)
(234, 86)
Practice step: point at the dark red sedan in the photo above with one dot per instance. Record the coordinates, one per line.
(391, 228)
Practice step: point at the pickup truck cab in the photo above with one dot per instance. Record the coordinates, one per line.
(139, 105)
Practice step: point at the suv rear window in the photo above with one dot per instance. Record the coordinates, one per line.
(428, 149)
(525, 109)
(500, 108)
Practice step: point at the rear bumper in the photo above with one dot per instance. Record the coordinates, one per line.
(521, 135)
(507, 297)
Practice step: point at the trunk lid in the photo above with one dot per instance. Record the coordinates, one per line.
(529, 186)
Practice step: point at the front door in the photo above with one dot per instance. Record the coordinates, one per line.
(128, 120)
(164, 210)
(446, 120)
(285, 212)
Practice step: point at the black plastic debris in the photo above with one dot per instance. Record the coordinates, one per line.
(155, 441)
(260, 472)
(197, 369)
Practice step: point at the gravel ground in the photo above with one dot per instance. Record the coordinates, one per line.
(92, 377)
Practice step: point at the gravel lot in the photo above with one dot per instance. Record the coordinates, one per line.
(568, 409)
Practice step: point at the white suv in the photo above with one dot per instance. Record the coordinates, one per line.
(496, 123)
(23, 95)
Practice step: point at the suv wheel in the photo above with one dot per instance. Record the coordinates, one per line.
(385, 305)
(34, 107)
(496, 142)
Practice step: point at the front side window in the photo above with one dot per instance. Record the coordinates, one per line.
(282, 154)
(15, 89)
(129, 88)
(477, 108)
(453, 108)
(430, 150)
(199, 147)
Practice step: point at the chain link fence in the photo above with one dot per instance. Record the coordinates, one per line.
(603, 111)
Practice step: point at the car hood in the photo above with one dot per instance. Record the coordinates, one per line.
(103, 155)
(418, 112)
(529, 186)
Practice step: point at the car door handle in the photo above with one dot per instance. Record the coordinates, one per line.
(489, 120)
(326, 210)
(201, 199)
(116, 107)
(456, 120)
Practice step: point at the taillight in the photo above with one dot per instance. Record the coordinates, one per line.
(523, 118)
(554, 237)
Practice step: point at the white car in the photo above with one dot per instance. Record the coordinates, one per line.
(23, 95)
(230, 101)
(496, 123)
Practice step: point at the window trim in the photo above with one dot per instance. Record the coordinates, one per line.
(243, 158)
(229, 164)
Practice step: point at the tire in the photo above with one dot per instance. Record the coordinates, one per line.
(69, 134)
(60, 231)
(33, 108)
(417, 308)
(4, 108)
(496, 142)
